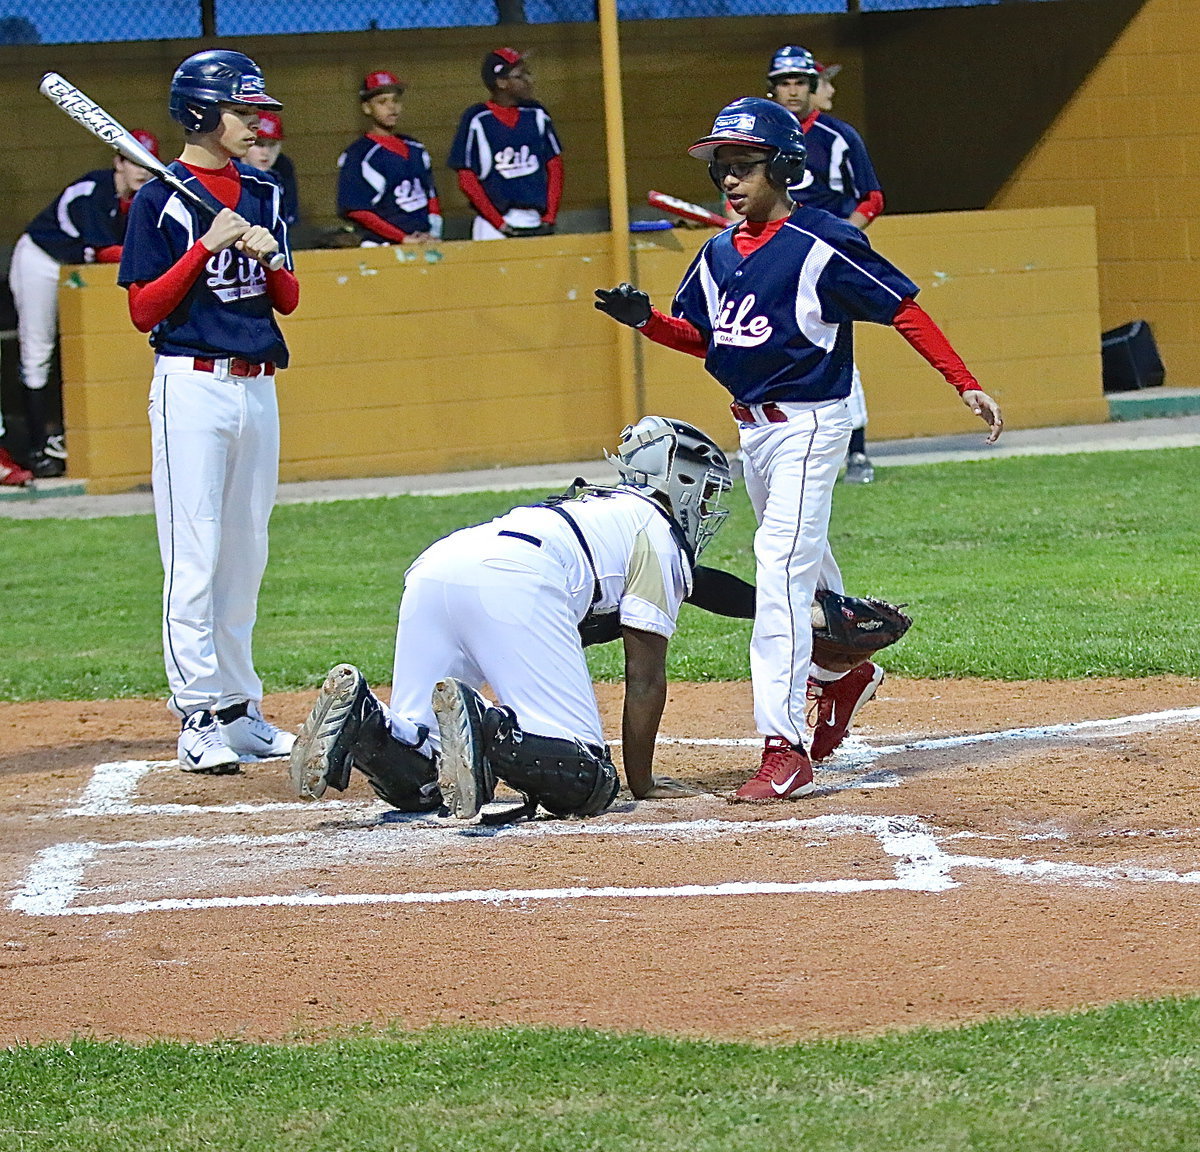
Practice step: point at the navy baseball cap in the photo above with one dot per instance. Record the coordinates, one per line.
(792, 60)
(499, 63)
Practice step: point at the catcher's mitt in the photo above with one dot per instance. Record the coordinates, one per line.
(848, 630)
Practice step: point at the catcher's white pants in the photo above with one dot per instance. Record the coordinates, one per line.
(215, 441)
(790, 471)
(857, 401)
(493, 610)
(33, 278)
(481, 229)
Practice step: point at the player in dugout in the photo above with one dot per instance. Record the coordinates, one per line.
(83, 224)
(838, 177)
(266, 154)
(507, 154)
(385, 179)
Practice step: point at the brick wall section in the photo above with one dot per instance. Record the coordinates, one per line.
(1129, 143)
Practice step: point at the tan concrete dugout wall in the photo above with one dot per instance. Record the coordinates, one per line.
(412, 360)
(671, 88)
(1128, 141)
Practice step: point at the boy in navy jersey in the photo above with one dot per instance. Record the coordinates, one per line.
(385, 179)
(507, 154)
(201, 288)
(770, 305)
(83, 224)
(838, 177)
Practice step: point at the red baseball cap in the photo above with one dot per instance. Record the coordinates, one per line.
(499, 63)
(829, 71)
(270, 127)
(146, 139)
(376, 82)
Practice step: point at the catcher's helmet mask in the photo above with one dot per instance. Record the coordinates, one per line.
(205, 81)
(679, 463)
(757, 123)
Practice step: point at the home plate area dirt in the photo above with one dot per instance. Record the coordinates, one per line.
(975, 849)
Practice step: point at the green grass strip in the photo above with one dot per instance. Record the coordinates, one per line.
(1123, 1078)
(1052, 567)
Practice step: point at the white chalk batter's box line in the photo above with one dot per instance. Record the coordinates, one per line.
(55, 880)
(113, 787)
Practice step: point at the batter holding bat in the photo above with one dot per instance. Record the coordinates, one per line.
(201, 285)
(770, 304)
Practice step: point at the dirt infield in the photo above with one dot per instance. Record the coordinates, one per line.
(978, 848)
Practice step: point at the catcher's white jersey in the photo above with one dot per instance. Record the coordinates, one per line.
(499, 604)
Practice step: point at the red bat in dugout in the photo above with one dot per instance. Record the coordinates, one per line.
(687, 210)
(101, 125)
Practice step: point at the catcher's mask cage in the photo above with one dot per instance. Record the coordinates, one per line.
(680, 463)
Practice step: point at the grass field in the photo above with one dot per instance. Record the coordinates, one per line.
(1053, 567)
(1042, 568)
(1123, 1078)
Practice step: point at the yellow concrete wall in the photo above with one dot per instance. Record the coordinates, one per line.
(473, 355)
(1128, 142)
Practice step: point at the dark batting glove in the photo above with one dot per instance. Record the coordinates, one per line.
(624, 303)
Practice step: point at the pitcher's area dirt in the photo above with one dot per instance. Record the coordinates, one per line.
(1069, 860)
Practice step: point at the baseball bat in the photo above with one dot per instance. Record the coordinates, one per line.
(101, 125)
(687, 210)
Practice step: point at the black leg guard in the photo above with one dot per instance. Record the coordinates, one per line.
(403, 777)
(566, 777)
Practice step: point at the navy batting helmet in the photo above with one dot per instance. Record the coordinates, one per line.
(792, 60)
(758, 123)
(209, 79)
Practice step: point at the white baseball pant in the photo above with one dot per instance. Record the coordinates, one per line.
(493, 610)
(790, 469)
(857, 401)
(33, 278)
(215, 441)
(514, 218)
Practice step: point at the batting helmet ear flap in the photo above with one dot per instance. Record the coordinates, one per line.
(715, 176)
(787, 168)
(203, 117)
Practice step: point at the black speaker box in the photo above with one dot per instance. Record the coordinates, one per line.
(1130, 359)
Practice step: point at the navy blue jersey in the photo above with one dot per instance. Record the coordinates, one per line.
(285, 172)
(510, 162)
(779, 322)
(839, 173)
(373, 177)
(227, 311)
(82, 218)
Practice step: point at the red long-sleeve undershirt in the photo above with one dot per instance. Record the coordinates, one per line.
(152, 301)
(911, 321)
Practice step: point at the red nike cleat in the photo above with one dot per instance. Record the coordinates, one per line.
(837, 702)
(12, 475)
(785, 771)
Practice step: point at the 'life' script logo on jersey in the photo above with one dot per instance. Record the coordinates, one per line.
(742, 329)
(410, 196)
(232, 276)
(514, 162)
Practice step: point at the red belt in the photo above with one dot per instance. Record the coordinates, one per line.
(236, 367)
(773, 413)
